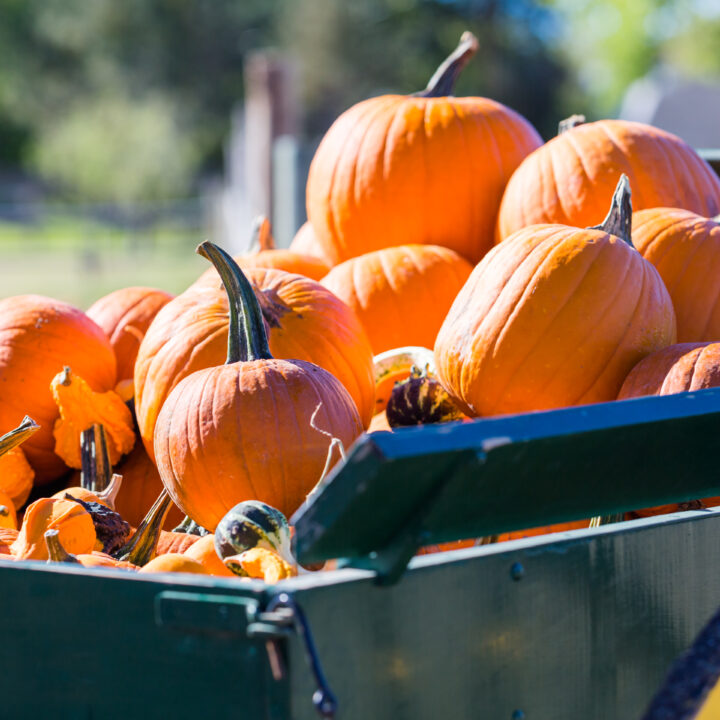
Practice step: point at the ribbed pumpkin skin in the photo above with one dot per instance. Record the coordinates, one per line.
(242, 431)
(305, 242)
(401, 294)
(568, 179)
(133, 308)
(305, 321)
(554, 316)
(399, 170)
(675, 369)
(685, 249)
(38, 336)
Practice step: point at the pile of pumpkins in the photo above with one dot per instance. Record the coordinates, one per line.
(453, 266)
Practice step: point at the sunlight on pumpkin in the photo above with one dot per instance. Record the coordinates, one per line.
(16, 476)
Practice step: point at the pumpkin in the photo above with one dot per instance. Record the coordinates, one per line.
(305, 242)
(8, 515)
(566, 180)
(685, 249)
(80, 408)
(554, 316)
(16, 475)
(175, 542)
(141, 485)
(7, 537)
(38, 336)
(174, 562)
(305, 321)
(421, 169)
(262, 564)
(266, 255)
(203, 551)
(124, 316)
(111, 530)
(395, 365)
(57, 553)
(253, 524)
(675, 369)
(104, 497)
(257, 440)
(69, 518)
(401, 294)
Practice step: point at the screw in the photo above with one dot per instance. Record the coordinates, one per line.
(517, 571)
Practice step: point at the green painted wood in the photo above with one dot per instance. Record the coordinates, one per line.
(588, 631)
(413, 487)
(79, 644)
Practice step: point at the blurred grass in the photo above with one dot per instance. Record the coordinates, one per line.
(79, 260)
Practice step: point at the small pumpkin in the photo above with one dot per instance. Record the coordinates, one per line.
(554, 316)
(80, 407)
(427, 168)
(265, 255)
(175, 542)
(8, 515)
(257, 440)
(69, 518)
(175, 563)
(203, 551)
(38, 336)
(125, 315)
(16, 475)
(685, 249)
(566, 180)
(111, 530)
(262, 564)
(678, 368)
(57, 553)
(7, 537)
(253, 524)
(105, 497)
(400, 294)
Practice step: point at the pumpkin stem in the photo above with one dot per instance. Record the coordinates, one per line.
(56, 551)
(262, 238)
(570, 123)
(66, 376)
(247, 339)
(442, 83)
(4, 512)
(96, 472)
(619, 220)
(140, 549)
(19, 435)
(110, 493)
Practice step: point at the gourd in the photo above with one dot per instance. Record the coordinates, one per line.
(395, 365)
(685, 249)
(16, 475)
(426, 169)
(257, 441)
(400, 294)
(554, 316)
(566, 180)
(176, 563)
(262, 564)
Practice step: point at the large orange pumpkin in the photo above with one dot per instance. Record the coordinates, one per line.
(567, 180)
(38, 337)
(125, 315)
(685, 249)
(675, 369)
(401, 294)
(266, 255)
(245, 430)
(305, 321)
(426, 169)
(305, 242)
(554, 316)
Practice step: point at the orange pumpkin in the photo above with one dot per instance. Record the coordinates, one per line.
(7, 537)
(175, 542)
(174, 562)
(554, 316)
(141, 484)
(305, 321)
(8, 515)
(567, 179)
(204, 552)
(57, 553)
(266, 255)
(124, 316)
(244, 430)
(685, 249)
(675, 369)
(16, 475)
(427, 169)
(401, 294)
(305, 242)
(38, 337)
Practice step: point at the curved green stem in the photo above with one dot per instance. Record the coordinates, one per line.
(247, 339)
(19, 435)
(619, 220)
(570, 123)
(96, 473)
(56, 551)
(442, 83)
(142, 546)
